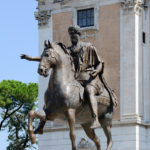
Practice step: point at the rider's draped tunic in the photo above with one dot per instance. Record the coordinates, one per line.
(86, 57)
(85, 60)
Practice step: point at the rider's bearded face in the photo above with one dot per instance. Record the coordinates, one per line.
(74, 38)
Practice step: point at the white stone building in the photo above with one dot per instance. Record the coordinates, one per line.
(120, 30)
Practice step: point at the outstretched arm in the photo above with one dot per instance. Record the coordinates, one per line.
(23, 56)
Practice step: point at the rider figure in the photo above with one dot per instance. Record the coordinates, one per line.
(87, 66)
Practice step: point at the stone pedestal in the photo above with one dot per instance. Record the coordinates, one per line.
(126, 136)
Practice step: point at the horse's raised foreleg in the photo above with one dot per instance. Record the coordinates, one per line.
(106, 125)
(70, 114)
(34, 114)
(91, 134)
(39, 129)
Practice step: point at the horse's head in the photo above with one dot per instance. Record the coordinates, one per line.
(48, 59)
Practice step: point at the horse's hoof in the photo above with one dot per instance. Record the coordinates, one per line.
(38, 131)
(110, 145)
(33, 138)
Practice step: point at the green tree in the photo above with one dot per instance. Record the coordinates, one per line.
(16, 100)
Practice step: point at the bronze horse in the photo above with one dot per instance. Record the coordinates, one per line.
(64, 96)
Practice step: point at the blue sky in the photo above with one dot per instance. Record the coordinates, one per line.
(18, 35)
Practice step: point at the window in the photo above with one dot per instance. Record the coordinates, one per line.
(57, 1)
(85, 18)
(144, 40)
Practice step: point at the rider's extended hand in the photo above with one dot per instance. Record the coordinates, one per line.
(23, 56)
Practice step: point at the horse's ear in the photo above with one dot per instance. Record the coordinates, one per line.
(45, 43)
(49, 44)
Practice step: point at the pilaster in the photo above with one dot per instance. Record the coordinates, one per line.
(43, 16)
(131, 107)
(146, 62)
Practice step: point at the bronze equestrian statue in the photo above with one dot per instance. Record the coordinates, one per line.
(76, 82)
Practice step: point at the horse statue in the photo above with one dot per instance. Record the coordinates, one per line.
(64, 97)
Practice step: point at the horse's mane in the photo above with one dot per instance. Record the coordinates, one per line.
(64, 48)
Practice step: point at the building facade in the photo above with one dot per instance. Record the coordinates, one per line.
(120, 31)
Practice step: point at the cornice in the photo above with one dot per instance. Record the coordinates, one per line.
(49, 128)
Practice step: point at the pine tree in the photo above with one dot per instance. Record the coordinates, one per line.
(16, 100)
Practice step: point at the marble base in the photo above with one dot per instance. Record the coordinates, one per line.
(126, 136)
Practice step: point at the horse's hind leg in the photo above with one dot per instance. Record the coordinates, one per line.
(34, 114)
(106, 125)
(70, 114)
(109, 137)
(91, 134)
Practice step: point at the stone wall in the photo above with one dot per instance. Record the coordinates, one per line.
(106, 39)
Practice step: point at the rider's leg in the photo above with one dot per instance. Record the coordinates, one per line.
(90, 92)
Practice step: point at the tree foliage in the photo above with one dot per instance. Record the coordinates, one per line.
(16, 100)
